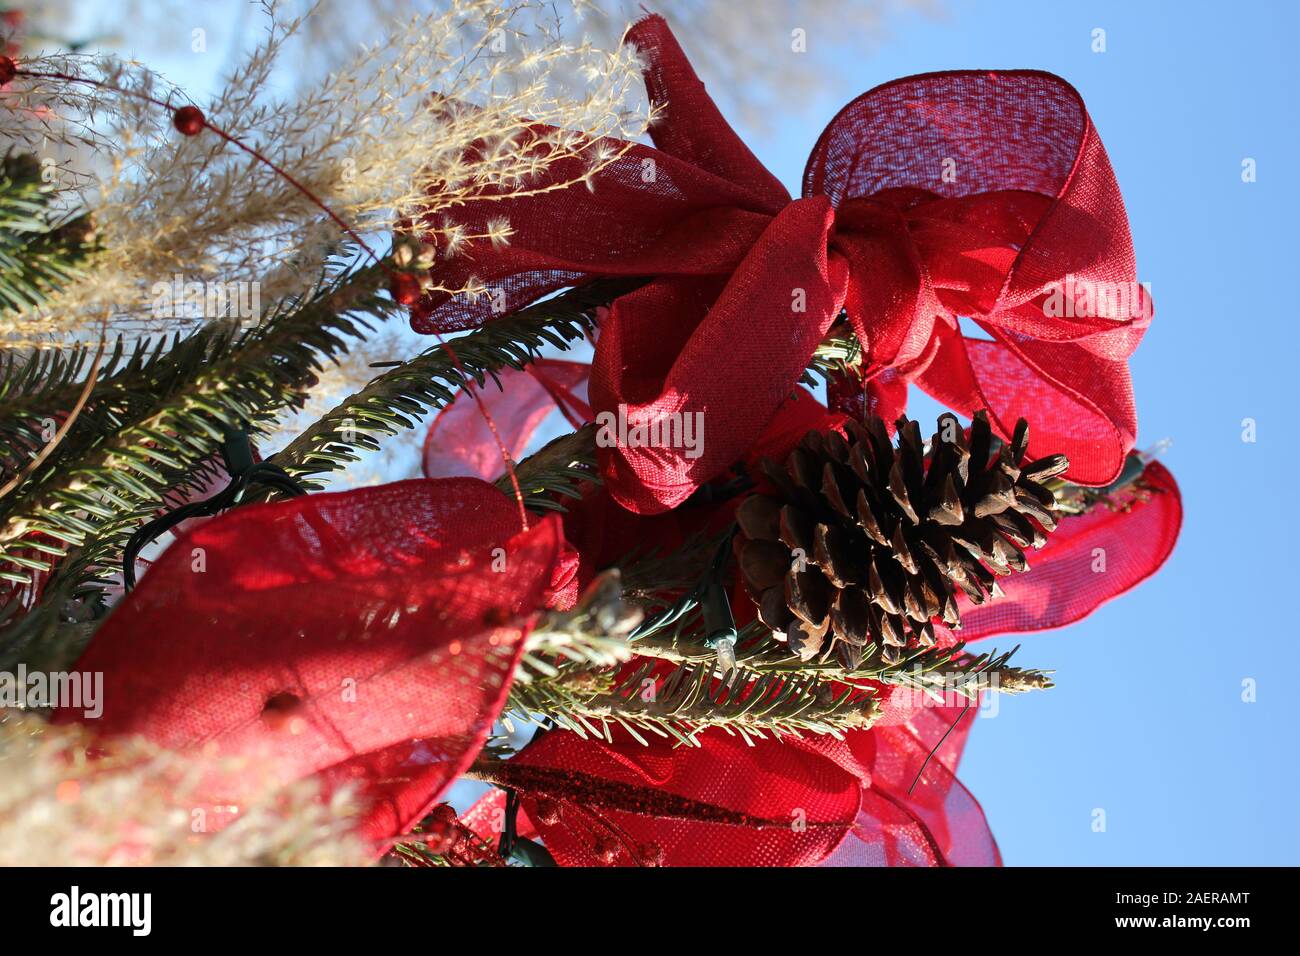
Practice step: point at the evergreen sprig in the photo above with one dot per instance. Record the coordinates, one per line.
(677, 690)
(39, 252)
(934, 669)
(402, 396)
(556, 469)
(39, 387)
(155, 420)
(573, 675)
(681, 701)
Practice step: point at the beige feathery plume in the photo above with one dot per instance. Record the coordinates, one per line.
(444, 109)
(136, 807)
(758, 58)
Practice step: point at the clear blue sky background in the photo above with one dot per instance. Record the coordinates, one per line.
(1147, 722)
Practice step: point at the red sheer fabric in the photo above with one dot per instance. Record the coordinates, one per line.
(790, 802)
(850, 798)
(981, 194)
(366, 637)
(459, 441)
(1088, 560)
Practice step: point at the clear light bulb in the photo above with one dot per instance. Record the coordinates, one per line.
(726, 650)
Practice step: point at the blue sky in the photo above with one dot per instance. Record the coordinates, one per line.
(1147, 723)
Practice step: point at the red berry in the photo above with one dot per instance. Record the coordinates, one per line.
(405, 289)
(189, 120)
(444, 814)
(7, 70)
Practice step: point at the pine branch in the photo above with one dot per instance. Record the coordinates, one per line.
(38, 388)
(155, 420)
(593, 633)
(654, 579)
(837, 354)
(137, 445)
(936, 671)
(558, 468)
(38, 255)
(683, 700)
(747, 702)
(399, 398)
(34, 388)
(677, 690)
(569, 676)
(930, 669)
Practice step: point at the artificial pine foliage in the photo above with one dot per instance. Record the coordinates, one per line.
(40, 250)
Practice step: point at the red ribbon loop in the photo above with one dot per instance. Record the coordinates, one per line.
(984, 195)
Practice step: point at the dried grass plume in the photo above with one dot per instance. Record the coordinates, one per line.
(440, 111)
(134, 807)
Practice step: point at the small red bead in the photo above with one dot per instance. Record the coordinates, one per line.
(405, 288)
(189, 120)
(444, 814)
(7, 70)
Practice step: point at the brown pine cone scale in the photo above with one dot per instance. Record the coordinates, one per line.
(863, 542)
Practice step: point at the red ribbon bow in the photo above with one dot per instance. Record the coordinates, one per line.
(979, 194)
(366, 638)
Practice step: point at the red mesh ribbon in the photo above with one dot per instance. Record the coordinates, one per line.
(459, 441)
(1088, 560)
(979, 194)
(622, 803)
(366, 637)
(790, 802)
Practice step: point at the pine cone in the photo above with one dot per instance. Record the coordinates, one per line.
(863, 542)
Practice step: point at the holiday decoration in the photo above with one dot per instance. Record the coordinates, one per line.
(872, 543)
(359, 637)
(746, 283)
(721, 617)
(189, 120)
